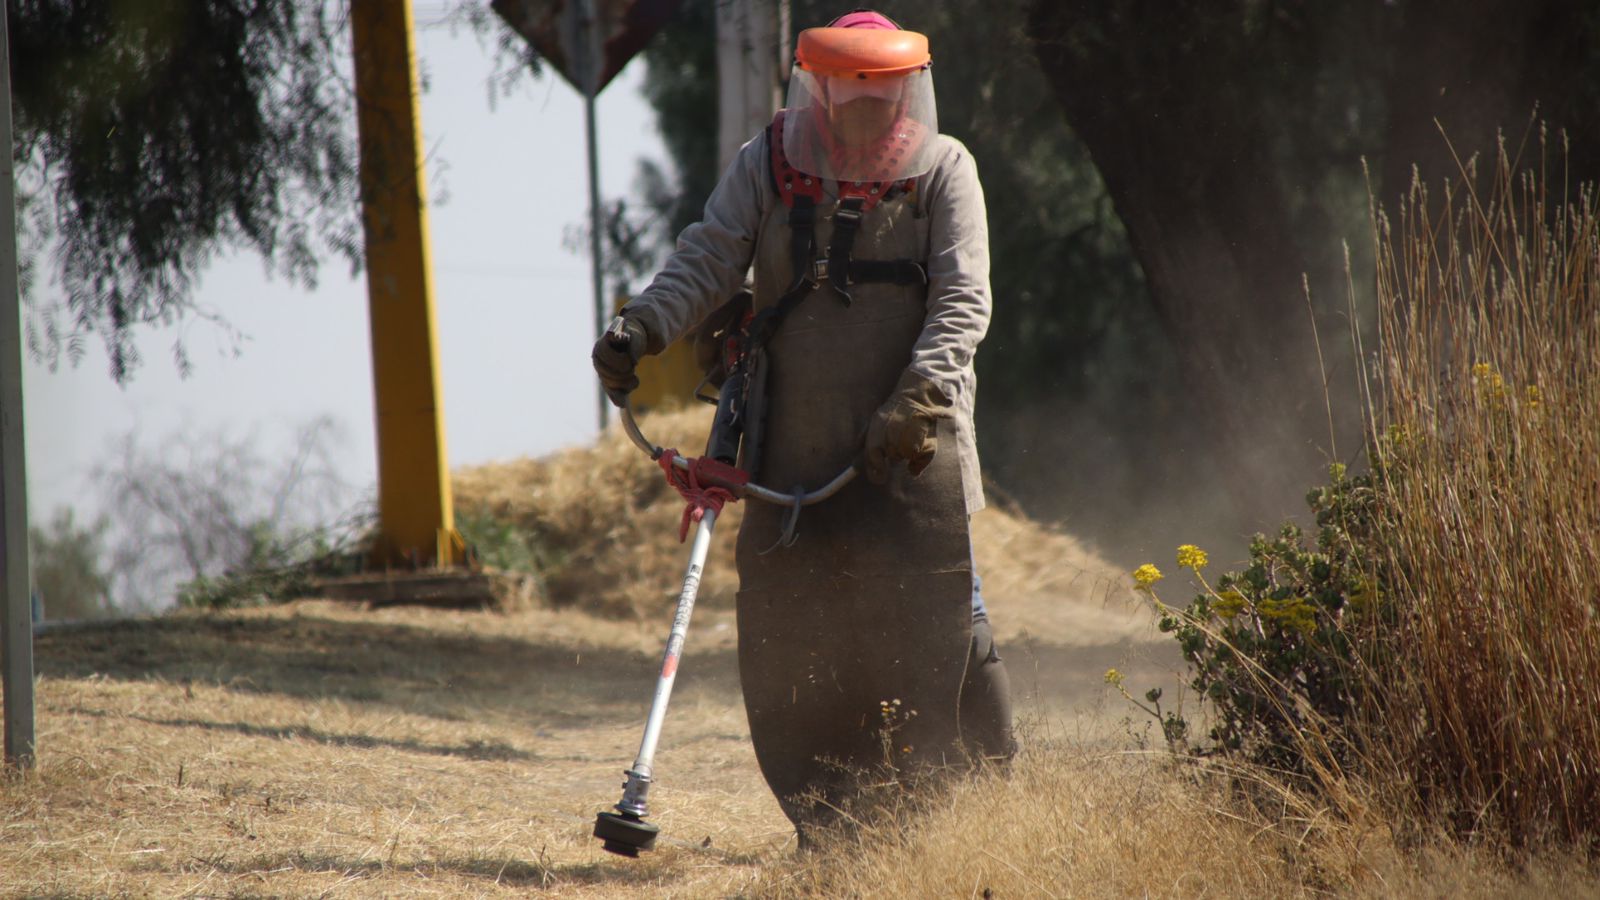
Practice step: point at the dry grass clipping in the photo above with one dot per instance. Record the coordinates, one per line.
(607, 525)
(317, 749)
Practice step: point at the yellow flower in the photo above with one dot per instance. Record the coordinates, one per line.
(1114, 677)
(1294, 614)
(1486, 377)
(1229, 604)
(1535, 397)
(1191, 557)
(1336, 471)
(1145, 576)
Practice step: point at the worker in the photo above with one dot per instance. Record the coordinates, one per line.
(864, 644)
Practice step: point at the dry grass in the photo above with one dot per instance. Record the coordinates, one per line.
(1078, 817)
(322, 748)
(607, 524)
(605, 521)
(318, 749)
(1072, 819)
(1490, 316)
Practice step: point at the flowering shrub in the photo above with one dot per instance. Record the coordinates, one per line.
(1271, 649)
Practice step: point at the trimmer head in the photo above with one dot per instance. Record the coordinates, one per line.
(624, 834)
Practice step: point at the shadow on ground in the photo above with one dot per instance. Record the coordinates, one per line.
(456, 676)
(410, 667)
(530, 874)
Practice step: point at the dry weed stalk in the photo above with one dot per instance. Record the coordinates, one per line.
(1489, 451)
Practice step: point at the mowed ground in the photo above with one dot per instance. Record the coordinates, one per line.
(321, 748)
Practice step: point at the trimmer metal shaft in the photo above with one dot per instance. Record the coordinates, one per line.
(624, 832)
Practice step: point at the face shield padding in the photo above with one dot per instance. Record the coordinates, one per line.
(852, 129)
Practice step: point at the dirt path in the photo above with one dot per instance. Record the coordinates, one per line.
(318, 747)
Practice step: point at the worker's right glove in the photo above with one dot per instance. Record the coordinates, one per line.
(906, 427)
(616, 355)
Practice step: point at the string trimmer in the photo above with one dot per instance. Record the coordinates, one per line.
(706, 483)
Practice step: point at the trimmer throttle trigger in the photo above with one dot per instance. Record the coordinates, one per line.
(617, 334)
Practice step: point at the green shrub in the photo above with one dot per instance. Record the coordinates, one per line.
(500, 542)
(1440, 634)
(1272, 649)
(276, 570)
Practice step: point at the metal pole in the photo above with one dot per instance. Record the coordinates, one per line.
(600, 316)
(590, 58)
(16, 626)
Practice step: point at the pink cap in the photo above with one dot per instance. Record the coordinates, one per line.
(864, 18)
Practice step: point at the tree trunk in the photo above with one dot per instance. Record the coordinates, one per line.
(1466, 70)
(1182, 141)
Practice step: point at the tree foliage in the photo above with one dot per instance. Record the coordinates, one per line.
(202, 507)
(1164, 183)
(69, 567)
(152, 136)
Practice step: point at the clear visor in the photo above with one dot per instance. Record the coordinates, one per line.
(844, 128)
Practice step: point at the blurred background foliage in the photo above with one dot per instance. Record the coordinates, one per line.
(151, 137)
(1165, 185)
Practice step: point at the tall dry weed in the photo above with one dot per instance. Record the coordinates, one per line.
(603, 522)
(1486, 419)
(1066, 820)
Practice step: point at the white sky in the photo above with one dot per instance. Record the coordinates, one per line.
(515, 308)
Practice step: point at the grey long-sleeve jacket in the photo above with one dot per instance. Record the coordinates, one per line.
(714, 255)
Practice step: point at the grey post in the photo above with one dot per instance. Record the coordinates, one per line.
(590, 61)
(16, 628)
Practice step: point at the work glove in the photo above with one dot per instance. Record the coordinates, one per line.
(616, 355)
(906, 427)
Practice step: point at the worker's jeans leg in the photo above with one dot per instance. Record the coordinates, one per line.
(985, 708)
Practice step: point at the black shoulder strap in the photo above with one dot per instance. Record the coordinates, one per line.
(802, 250)
(846, 222)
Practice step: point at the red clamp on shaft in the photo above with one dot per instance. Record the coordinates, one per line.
(706, 484)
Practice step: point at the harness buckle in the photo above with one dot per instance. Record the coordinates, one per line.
(819, 270)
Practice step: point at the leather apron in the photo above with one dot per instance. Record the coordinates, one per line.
(872, 603)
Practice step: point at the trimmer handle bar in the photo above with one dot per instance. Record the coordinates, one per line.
(798, 497)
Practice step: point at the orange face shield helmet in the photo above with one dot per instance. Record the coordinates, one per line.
(861, 105)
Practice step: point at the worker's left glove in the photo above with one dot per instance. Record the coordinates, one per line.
(906, 427)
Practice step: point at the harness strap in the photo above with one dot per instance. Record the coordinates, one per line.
(801, 193)
(789, 182)
(846, 222)
(891, 271)
(802, 244)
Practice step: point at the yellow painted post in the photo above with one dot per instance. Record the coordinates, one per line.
(668, 379)
(415, 519)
